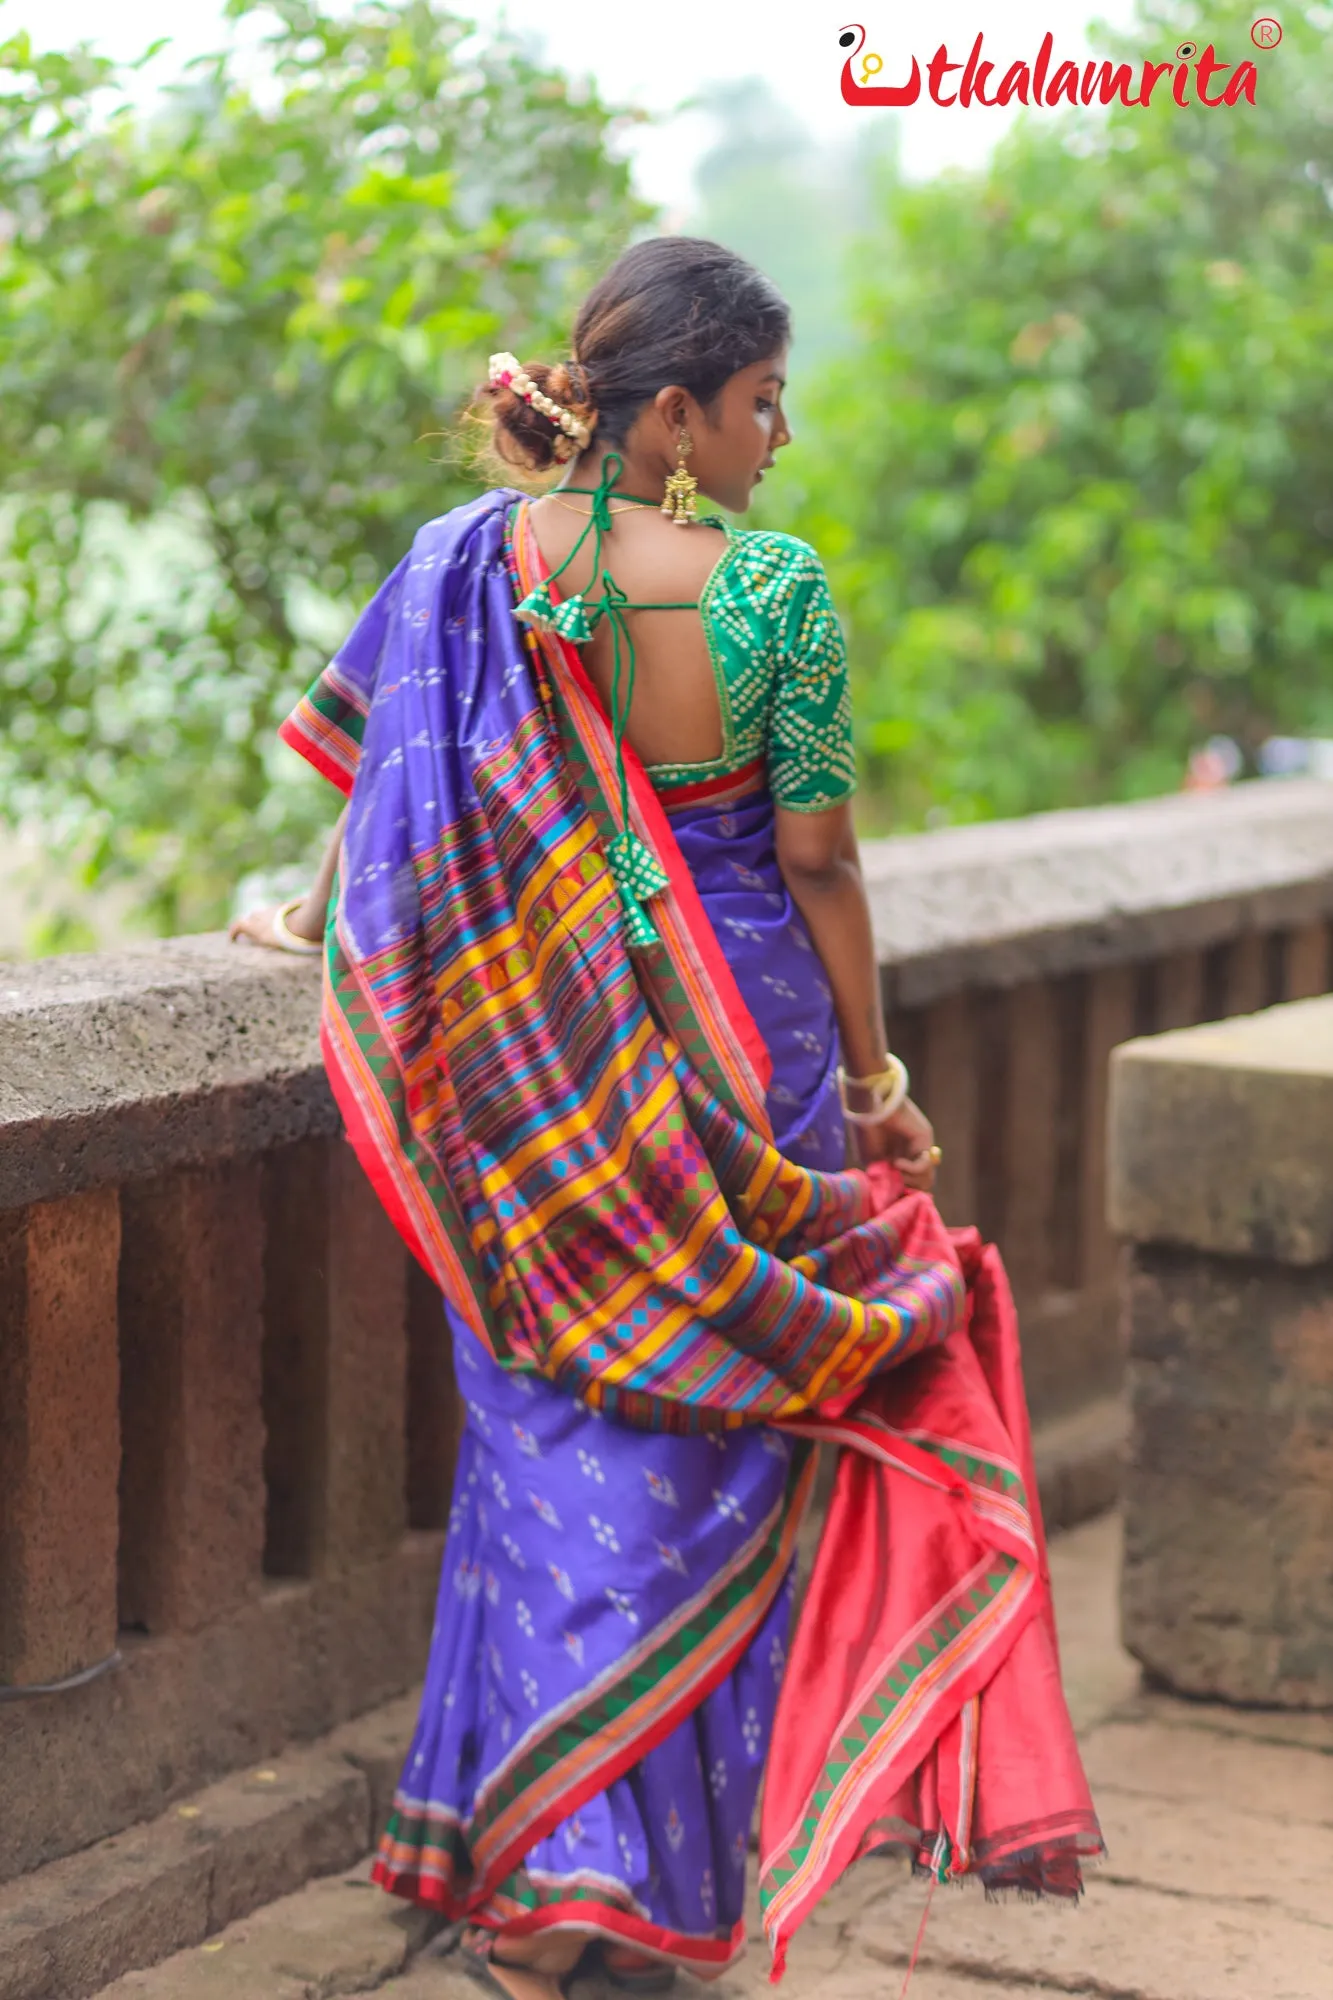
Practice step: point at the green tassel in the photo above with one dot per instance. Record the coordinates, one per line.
(639, 875)
(636, 867)
(572, 622)
(536, 608)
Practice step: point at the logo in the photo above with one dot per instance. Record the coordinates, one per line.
(1039, 83)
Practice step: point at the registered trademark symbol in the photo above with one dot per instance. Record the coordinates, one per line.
(1266, 32)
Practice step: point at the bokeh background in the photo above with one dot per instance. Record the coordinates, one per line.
(1063, 388)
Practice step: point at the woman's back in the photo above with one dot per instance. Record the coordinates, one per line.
(675, 716)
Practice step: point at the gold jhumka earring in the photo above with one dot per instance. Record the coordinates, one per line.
(678, 499)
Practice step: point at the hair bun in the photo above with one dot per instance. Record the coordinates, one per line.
(540, 412)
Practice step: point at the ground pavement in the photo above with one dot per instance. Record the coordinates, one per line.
(1219, 1884)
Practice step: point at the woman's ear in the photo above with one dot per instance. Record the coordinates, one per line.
(672, 405)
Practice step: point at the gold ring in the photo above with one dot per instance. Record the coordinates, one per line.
(935, 1156)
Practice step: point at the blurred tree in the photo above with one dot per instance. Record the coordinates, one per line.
(1076, 481)
(793, 207)
(231, 328)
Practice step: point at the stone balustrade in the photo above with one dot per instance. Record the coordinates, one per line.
(1222, 1182)
(226, 1410)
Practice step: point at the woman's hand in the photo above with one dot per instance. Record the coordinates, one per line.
(260, 926)
(905, 1141)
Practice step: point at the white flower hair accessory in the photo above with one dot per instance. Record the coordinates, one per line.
(575, 435)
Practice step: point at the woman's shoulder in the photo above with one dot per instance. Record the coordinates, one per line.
(770, 549)
(768, 570)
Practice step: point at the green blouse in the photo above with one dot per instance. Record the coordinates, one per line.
(781, 672)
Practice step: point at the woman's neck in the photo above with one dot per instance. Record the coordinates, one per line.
(639, 474)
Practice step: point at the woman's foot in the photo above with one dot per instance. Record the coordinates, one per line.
(523, 1968)
(635, 1972)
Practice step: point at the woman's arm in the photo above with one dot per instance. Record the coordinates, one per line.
(308, 919)
(820, 863)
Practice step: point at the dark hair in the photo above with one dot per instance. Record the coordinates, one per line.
(673, 310)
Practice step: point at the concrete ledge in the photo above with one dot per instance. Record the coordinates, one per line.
(1221, 1137)
(120, 1064)
(1013, 900)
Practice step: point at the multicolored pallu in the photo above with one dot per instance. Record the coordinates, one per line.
(578, 1149)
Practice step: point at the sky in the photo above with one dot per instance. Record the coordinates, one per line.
(658, 57)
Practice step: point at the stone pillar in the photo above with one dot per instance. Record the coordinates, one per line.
(192, 1483)
(335, 1364)
(59, 1437)
(1221, 1179)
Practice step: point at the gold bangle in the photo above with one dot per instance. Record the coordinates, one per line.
(894, 1080)
(286, 938)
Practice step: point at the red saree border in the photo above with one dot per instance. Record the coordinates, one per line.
(709, 981)
(306, 732)
(706, 1958)
(822, 1844)
(365, 1115)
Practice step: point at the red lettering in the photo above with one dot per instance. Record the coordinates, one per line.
(937, 69)
(1180, 84)
(1152, 76)
(1041, 66)
(974, 78)
(1063, 84)
(1015, 83)
(1205, 69)
(1241, 84)
(1114, 83)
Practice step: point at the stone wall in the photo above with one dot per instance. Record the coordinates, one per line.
(1016, 957)
(1222, 1180)
(219, 1502)
(226, 1413)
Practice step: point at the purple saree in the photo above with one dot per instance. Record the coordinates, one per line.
(570, 1535)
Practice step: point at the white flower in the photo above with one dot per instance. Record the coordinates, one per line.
(604, 1534)
(524, 1617)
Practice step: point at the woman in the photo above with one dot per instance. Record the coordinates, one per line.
(600, 951)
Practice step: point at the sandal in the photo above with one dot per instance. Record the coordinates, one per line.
(477, 1951)
(649, 1978)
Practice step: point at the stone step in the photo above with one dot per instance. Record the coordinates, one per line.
(70, 1928)
(339, 1935)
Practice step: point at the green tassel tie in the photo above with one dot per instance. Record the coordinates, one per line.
(536, 609)
(639, 875)
(573, 622)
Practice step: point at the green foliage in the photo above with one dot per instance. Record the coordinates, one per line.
(228, 333)
(1075, 485)
(767, 190)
